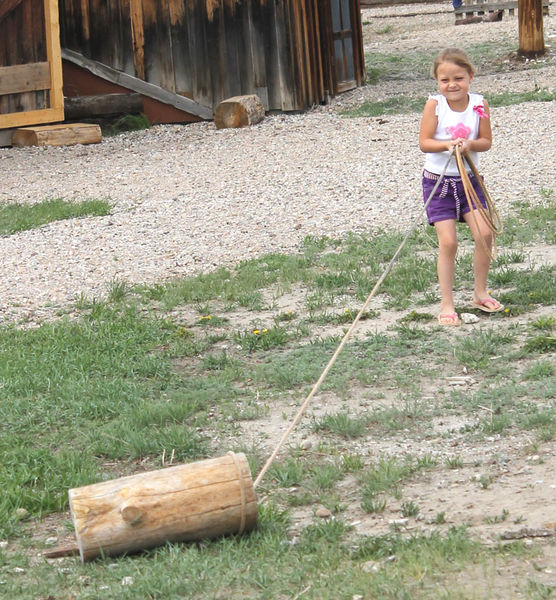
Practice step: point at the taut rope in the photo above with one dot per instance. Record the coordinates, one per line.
(348, 333)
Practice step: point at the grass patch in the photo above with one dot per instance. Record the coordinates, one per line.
(130, 122)
(167, 371)
(391, 106)
(342, 424)
(22, 217)
(509, 98)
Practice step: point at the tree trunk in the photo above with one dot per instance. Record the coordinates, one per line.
(239, 111)
(187, 502)
(531, 32)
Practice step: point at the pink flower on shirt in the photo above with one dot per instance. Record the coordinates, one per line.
(480, 110)
(459, 131)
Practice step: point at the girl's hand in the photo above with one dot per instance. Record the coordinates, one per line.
(463, 144)
(451, 144)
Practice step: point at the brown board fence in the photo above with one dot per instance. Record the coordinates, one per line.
(30, 63)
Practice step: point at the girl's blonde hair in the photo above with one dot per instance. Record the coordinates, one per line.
(456, 56)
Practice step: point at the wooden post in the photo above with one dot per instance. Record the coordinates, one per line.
(531, 32)
(188, 502)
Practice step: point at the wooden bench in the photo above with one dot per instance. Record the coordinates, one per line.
(473, 10)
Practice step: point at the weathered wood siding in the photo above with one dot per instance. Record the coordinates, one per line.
(209, 50)
(30, 66)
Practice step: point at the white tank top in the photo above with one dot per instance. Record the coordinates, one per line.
(452, 124)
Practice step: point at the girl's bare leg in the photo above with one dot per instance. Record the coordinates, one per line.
(447, 248)
(481, 258)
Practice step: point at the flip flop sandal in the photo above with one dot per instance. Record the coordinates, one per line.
(448, 319)
(484, 305)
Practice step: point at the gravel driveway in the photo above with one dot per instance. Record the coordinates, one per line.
(188, 198)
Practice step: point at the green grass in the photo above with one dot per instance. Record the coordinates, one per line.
(21, 217)
(129, 380)
(130, 122)
(509, 98)
(391, 106)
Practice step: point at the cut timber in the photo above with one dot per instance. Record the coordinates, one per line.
(188, 502)
(239, 111)
(57, 135)
(81, 107)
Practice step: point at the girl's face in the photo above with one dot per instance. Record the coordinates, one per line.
(453, 83)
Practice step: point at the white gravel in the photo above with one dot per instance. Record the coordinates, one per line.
(187, 198)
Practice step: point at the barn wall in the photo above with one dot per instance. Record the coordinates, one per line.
(208, 50)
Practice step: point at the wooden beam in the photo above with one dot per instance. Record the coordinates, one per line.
(57, 135)
(31, 117)
(137, 37)
(24, 78)
(138, 85)
(53, 54)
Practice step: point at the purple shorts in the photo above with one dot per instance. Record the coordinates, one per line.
(449, 201)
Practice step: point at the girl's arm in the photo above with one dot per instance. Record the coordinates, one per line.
(429, 122)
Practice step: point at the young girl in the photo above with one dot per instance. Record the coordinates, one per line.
(456, 117)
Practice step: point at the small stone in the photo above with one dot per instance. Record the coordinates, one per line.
(468, 318)
(306, 445)
(370, 566)
(21, 514)
(322, 513)
(392, 558)
(357, 597)
(399, 522)
(50, 541)
(128, 581)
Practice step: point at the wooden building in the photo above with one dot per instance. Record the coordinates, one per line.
(30, 64)
(186, 56)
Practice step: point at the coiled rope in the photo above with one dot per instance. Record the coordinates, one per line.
(489, 214)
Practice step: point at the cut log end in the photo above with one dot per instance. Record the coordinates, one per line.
(239, 111)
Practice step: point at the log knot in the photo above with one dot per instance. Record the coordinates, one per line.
(131, 514)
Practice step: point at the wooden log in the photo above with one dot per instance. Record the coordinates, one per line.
(187, 502)
(81, 107)
(66, 134)
(239, 111)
